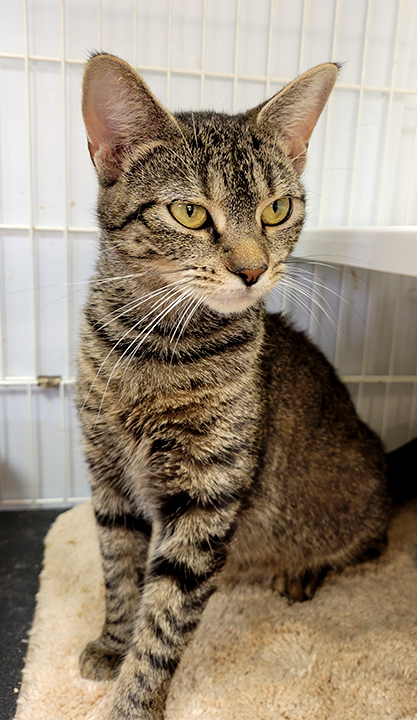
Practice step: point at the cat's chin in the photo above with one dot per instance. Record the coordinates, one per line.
(232, 305)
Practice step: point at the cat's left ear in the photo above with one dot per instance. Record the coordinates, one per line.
(293, 112)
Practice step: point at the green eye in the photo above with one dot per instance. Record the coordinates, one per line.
(189, 215)
(277, 212)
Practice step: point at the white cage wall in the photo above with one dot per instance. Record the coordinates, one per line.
(359, 301)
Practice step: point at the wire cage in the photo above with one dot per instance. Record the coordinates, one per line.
(357, 257)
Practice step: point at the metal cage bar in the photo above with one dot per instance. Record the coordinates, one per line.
(232, 76)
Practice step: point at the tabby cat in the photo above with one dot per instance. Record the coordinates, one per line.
(221, 443)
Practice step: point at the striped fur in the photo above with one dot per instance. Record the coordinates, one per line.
(220, 442)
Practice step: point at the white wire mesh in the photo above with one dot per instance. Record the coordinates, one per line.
(227, 55)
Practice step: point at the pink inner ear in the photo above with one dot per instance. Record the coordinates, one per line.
(297, 150)
(299, 135)
(98, 135)
(101, 106)
(97, 116)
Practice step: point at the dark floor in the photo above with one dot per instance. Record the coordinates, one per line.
(21, 551)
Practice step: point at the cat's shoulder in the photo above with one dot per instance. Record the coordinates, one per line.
(291, 352)
(282, 333)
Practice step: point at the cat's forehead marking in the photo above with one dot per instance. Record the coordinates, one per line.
(232, 164)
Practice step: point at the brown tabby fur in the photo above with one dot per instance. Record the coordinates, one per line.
(219, 439)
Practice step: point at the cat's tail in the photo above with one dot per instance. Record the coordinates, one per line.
(402, 473)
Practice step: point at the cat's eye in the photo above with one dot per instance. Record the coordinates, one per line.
(277, 212)
(190, 215)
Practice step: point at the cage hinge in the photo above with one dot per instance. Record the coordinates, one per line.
(49, 381)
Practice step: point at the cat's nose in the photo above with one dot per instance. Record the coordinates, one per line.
(250, 275)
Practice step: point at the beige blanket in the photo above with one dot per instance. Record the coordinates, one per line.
(349, 654)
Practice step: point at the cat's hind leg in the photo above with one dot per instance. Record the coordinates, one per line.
(124, 540)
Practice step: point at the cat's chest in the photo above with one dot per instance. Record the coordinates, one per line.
(172, 440)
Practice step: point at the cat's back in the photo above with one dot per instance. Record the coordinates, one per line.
(301, 382)
(319, 497)
(310, 415)
(319, 457)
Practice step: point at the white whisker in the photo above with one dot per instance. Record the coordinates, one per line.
(133, 304)
(154, 307)
(142, 335)
(296, 290)
(310, 261)
(290, 293)
(181, 319)
(297, 273)
(198, 302)
(310, 293)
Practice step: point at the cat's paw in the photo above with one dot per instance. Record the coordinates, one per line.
(99, 662)
(302, 587)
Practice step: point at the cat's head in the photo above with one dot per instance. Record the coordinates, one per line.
(210, 199)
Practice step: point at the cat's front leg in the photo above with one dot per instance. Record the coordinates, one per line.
(124, 541)
(189, 550)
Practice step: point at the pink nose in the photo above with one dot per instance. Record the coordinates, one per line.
(250, 275)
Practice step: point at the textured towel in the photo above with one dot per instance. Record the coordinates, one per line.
(349, 654)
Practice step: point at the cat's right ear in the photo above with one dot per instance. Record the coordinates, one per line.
(119, 112)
